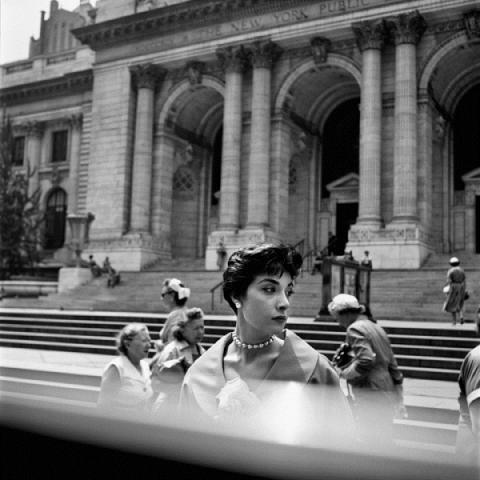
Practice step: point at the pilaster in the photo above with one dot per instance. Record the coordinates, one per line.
(406, 31)
(145, 78)
(75, 129)
(233, 61)
(370, 39)
(34, 138)
(263, 56)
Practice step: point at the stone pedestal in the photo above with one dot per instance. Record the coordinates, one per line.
(73, 277)
(401, 246)
(130, 253)
(234, 240)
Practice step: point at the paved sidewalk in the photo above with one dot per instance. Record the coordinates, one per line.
(419, 392)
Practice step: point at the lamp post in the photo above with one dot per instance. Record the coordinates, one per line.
(79, 228)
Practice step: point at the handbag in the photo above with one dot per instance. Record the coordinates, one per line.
(466, 296)
(170, 371)
(343, 356)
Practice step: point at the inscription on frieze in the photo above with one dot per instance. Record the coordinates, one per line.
(309, 12)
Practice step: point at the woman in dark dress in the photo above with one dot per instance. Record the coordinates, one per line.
(456, 288)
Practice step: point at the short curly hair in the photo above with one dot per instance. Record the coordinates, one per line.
(127, 334)
(249, 262)
(191, 314)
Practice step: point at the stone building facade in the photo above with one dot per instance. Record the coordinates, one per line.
(190, 122)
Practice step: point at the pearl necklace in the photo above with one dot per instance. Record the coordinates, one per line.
(241, 344)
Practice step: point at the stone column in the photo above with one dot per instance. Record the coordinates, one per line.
(76, 130)
(370, 39)
(406, 30)
(145, 78)
(232, 59)
(469, 218)
(164, 153)
(34, 136)
(281, 153)
(263, 56)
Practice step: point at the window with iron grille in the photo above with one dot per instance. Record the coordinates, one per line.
(183, 182)
(18, 151)
(59, 146)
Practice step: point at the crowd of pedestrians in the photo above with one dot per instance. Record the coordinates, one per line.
(248, 367)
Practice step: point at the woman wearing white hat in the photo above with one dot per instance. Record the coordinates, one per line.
(372, 374)
(455, 289)
(174, 296)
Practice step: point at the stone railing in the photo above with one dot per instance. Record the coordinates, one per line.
(26, 288)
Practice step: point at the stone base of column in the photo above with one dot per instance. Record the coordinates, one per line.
(404, 246)
(234, 240)
(132, 252)
(374, 223)
(70, 278)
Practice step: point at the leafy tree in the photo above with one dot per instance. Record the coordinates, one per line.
(20, 216)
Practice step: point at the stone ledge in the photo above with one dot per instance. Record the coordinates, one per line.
(26, 288)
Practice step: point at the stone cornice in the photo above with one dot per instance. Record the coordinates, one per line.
(67, 84)
(199, 14)
(174, 18)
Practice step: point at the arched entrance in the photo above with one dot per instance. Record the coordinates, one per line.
(55, 217)
(451, 82)
(322, 100)
(340, 159)
(191, 168)
(466, 172)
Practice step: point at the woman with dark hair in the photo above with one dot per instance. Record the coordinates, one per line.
(175, 296)
(126, 379)
(244, 368)
(169, 366)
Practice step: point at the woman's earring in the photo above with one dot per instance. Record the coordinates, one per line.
(237, 304)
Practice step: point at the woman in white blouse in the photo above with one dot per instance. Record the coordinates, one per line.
(126, 380)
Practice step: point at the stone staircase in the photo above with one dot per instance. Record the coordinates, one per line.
(423, 350)
(425, 354)
(395, 294)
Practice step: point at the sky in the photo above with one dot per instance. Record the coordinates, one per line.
(19, 20)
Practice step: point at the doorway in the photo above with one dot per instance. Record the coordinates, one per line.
(347, 214)
(56, 214)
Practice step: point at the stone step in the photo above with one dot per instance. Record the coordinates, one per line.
(416, 295)
(422, 352)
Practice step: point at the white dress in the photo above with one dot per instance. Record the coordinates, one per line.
(136, 389)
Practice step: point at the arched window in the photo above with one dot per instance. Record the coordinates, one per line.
(183, 182)
(55, 218)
